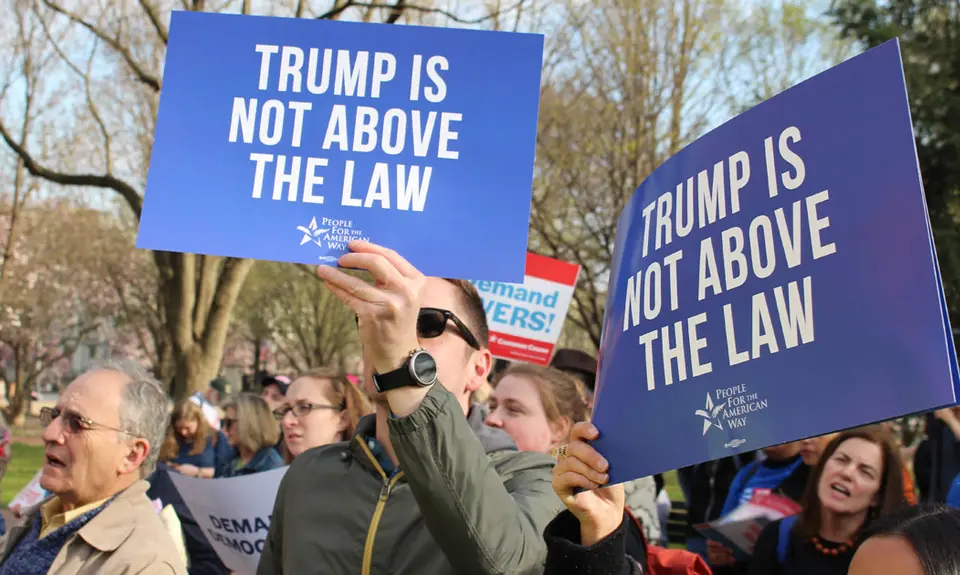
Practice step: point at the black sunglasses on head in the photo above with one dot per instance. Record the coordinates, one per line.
(432, 322)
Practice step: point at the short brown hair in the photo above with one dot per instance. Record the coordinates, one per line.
(476, 318)
(350, 398)
(561, 394)
(256, 425)
(891, 479)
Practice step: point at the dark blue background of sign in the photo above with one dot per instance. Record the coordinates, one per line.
(475, 223)
(881, 349)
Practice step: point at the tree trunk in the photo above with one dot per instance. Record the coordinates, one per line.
(15, 414)
(199, 293)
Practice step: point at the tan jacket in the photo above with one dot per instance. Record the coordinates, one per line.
(127, 537)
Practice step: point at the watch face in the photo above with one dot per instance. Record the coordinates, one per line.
(424, 368)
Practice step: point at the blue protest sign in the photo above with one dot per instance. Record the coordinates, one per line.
(283, 139)
(776, 280)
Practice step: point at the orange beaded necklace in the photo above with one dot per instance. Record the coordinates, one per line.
(833, 551)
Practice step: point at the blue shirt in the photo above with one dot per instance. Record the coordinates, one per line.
(953, 497)
(758, 475)
(204, 459)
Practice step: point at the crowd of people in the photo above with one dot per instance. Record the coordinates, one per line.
(431, 465)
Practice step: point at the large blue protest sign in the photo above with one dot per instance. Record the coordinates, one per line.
(776, 280)
(283, 139)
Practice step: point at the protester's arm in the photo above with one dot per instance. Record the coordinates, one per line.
(271, 558)
(764, 560)
(566, 553)
(483, 523)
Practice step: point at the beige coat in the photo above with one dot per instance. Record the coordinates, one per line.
(127, 537)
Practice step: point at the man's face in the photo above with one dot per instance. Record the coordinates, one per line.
(460, 368)
(86, 465)
(273, 396)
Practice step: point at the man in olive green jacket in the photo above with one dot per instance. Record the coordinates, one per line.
(424, 487)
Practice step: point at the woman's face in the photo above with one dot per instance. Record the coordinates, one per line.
(186, 428)
(322, 425)
(811, 449)
(230, 426)
(516, 408)
(887, 555)
(850, 482)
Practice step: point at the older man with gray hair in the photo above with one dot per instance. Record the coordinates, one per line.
(102, 440)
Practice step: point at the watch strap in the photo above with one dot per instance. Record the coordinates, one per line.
(400, 377)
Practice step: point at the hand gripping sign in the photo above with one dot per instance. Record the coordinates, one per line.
(776, 280)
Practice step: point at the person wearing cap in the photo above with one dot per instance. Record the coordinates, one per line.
(274, 390)
(579, 364)
(210, 399)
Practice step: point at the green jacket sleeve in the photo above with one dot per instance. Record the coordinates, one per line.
(487, 513)
(271, 558)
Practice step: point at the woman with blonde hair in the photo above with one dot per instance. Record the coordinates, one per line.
(320, 407)
(190, 445)
(253, 433)
(537, 406)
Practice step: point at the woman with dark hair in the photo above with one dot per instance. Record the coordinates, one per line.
(918, 541)
(320, 407)
(857, 479)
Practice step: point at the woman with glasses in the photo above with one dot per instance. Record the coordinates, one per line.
(319, 408)
(253, 433)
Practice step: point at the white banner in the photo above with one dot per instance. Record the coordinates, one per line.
(29, 495)
(234, 514)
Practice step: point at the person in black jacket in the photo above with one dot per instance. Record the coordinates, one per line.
(591, 535)
(203, 560)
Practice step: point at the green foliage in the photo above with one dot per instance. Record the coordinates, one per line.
(929, 33)
(27, 460)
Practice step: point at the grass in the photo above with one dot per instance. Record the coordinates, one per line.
(672, 487)
(26, 461)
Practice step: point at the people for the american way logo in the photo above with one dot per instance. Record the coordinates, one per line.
(312, 233)
(709, 414)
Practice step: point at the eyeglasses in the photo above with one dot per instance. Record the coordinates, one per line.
(301, 409)
(226, 423)
(74, 423)
(432, 322)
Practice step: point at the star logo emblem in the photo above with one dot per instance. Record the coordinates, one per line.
(709, 414)
(312, 233)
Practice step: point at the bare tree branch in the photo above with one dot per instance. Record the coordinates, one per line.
(127, 192)
(338, 8)
(396, 12)
(155, 20)
(145, 77)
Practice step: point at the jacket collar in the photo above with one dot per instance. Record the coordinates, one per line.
(108, 530)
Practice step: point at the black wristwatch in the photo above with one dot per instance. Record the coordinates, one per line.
(420, 370)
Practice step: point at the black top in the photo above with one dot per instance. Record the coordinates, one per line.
(616, 554)
(803, 557)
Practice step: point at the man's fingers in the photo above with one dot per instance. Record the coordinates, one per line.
(574, 465)
(588, 455)
(382, 269)
(402, 265)
(350, 301)
(349, 285)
